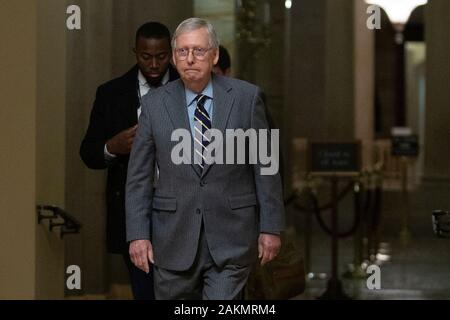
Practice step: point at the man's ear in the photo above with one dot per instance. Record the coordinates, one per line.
(174, 61)
(216, 58)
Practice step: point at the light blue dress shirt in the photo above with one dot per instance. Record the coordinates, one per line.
(191, 104)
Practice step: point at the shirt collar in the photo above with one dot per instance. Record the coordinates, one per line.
(143, 82)
(191, 95)
(166, 77)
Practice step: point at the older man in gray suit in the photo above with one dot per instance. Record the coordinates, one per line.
(201, 225)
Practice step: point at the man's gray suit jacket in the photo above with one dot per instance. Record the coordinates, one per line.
(233, 201)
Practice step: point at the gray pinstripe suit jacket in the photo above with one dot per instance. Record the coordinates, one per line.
(235, 202)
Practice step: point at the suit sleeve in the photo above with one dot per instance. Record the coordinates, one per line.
(139, 187)
(93, 144)
(266, 173)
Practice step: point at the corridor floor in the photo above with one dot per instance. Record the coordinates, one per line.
(417, 269)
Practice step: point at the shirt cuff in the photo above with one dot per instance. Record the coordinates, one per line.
(275, 233)
(108, 156)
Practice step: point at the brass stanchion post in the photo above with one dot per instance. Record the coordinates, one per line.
(405, 233)
(356, 271)
(334, 288)
(310, 189)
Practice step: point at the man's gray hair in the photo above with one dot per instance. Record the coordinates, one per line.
(192, 24)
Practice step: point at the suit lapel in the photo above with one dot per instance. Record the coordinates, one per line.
(223, 104)
(175, 104)
(129, 99)
(131, 110)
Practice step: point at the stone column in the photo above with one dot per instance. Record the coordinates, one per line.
(33, 86)
(18, 140)
(339, 110)
(437, 150)
(363, 81)
(50, 144)
(89, 63)
(437, 127)
(329, 94)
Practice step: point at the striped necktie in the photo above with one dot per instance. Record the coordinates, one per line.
(202, 125)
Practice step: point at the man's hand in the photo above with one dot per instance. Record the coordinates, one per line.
(141, 252)
(122, 142)
(268, 247)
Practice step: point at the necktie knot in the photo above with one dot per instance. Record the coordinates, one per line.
(201, 99)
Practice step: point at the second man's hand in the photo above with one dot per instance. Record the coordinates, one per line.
(141, 253)
(122, 142)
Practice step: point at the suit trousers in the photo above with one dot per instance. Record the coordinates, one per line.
(141, 282)
(204, 279)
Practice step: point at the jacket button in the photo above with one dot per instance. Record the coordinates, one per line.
(118, 193)
(203, 183)
(198, 211)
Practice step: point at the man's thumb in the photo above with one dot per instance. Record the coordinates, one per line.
(150, 255)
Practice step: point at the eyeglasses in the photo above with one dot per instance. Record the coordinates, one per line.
(198, 53)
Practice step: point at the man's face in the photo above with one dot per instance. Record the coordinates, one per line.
(153, 58)
(195, 70)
